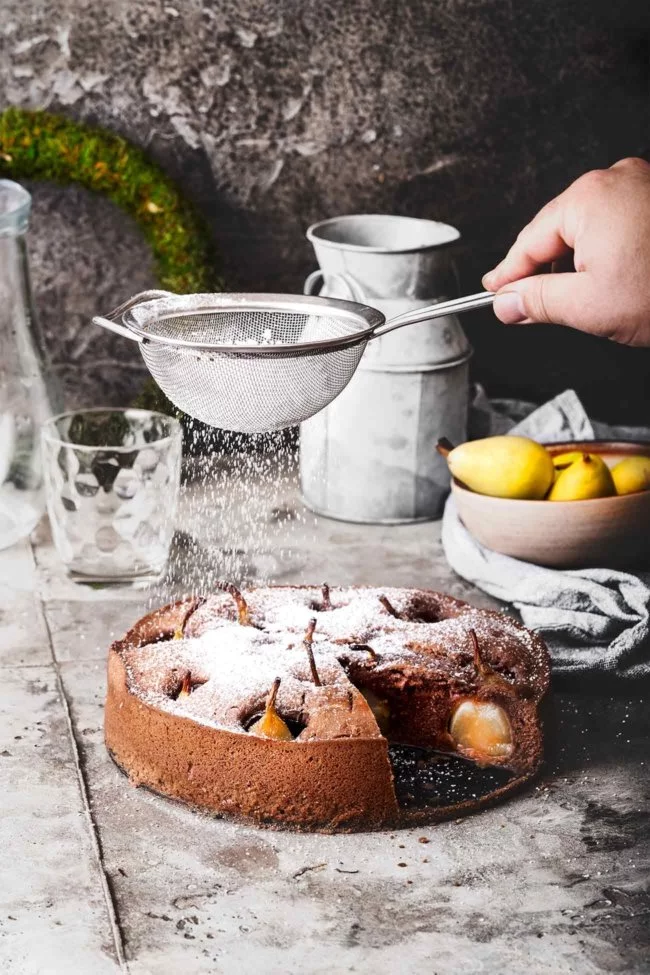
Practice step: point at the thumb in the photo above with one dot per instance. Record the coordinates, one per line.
(561, 299)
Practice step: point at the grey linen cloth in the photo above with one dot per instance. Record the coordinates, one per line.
(593, 620)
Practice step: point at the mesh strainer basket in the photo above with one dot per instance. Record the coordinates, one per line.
(256, 362)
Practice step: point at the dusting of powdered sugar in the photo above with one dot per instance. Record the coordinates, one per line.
(232, 668)
(358, 616)
(234, 665)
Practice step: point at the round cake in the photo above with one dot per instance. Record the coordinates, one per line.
(280, 704)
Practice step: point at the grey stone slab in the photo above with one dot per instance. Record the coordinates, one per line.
(551, 881)
(23, 635)
(53, 915)
(83, 630)
(555, 880)
(23, 638)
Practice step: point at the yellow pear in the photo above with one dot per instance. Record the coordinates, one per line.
(379, 707)
(503, 467)
(631, 475)
(561, 461)
(586, 478)
(271, 725)
(482, 727)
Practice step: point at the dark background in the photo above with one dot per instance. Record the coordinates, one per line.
(276, 114)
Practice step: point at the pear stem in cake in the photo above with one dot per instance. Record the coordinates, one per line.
(327, 604)
(490, 676)
(444, 447)
(307, 643)
(364, 648)
(479, 666)
(273, 693)
(186, 686)
(243, 616)
(388, 606)
(179, 632)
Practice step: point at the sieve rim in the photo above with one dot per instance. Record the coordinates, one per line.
(161, 310)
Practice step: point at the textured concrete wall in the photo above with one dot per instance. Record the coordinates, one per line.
(275, 114)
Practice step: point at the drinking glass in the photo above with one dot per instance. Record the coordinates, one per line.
(112, 480)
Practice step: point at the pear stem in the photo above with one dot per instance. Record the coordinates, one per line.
(186, 686)
(243, 616)
(179, 632)
(491, 676)
(444, 446)
(363, 648)
(273, 693)
(307, 643)
(388, 606)
(479, 666)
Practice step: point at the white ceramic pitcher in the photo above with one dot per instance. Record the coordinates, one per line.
(369, 456)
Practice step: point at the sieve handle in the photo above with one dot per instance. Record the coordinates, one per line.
(110, 321)
(453, 307)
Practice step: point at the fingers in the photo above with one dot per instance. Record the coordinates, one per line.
(544, 240)
(550, 236)
(565, 263)
(563, 299)
(633, 164)
(593, 234)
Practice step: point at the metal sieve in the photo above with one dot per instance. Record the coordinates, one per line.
(257, 362)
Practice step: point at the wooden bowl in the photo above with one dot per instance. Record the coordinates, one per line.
(605, 532)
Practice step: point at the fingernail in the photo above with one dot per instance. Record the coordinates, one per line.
(487, 277)
(509, 308)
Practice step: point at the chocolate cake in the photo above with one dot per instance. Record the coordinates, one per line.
(279, 704)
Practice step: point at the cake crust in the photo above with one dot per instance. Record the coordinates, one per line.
(421, 653)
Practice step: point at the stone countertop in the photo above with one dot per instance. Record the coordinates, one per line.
(101, 877)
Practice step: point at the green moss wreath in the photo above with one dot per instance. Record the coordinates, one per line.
(38, 145)
(41, 146)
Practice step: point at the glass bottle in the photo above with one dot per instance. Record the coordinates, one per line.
(24, 399)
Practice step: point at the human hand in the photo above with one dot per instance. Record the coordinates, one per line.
(599, 226)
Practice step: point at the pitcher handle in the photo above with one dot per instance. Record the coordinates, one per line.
(315, 281)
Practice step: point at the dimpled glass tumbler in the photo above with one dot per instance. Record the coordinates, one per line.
(112, 480)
